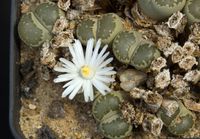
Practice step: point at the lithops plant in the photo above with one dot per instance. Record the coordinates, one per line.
(105, 28)
(187, 118)
(192, 11)
(35, 26)
(160, 9)
(130, 48)
(106, 110)
(176, 117)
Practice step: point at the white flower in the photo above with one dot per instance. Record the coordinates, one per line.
(85, 71)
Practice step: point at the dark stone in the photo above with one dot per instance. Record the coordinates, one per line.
(195, 89)
(28, 85)
(26, 67)
(56, 110)
(45, 73)
(46, 133)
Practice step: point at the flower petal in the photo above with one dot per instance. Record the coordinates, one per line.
(68, 76)
(99, 57)
(104, 78)
(72, 82)
(70, 70)
(95, 53)
(71, 50)
(91, 95)
(89, 48)
(104, 70)
(79, 52)
(69, 89)
(67, 63)
(60, 69)
(105, 62)
(98, 62)
(86, 90)
(101, 87)
(64, 78)
(74, 57)
(76, 89)
(107, 73)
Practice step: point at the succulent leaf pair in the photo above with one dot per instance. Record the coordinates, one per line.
(35, 26)
(106, 27)
(192, 11)
(130, 48)
(106, 111)
(162, 9)
(178, 122)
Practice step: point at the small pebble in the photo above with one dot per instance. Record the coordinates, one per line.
(32, 106)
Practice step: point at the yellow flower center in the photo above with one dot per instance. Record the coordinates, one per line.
(86, 72)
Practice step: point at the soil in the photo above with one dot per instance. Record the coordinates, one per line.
(67, 119)
(45, 115)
